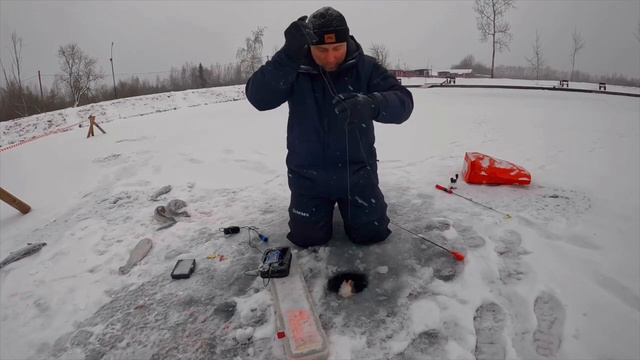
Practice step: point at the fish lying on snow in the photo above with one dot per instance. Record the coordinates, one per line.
(138, 253)
(14, 256)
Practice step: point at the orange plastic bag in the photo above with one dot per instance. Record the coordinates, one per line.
(484, 169)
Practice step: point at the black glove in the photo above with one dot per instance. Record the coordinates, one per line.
(357, 108)
(297, 36)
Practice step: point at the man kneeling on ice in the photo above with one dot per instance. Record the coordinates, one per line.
(334, 92)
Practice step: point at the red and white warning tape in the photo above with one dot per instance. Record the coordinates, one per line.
(56, 131)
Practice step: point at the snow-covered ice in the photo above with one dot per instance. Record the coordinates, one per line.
(561, 279)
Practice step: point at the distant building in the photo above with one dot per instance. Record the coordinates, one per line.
(423, 72)
(455, 73)
(431, 73)
(407, 73)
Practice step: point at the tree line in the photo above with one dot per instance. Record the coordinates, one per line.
(79, 81)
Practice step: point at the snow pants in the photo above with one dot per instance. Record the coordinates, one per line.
(365, 217)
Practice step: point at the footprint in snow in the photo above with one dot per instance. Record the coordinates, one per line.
(438, 224)
(509, 244)
(550, 314)
(445, 267)
(440, 231)
(469, 236)
(459, 232)
(489, 323)
(509, 249)
(106, 159)
(427, 345)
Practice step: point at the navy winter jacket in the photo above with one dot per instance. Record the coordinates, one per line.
(316, 136)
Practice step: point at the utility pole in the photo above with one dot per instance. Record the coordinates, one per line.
(113, 75)
(40, 81)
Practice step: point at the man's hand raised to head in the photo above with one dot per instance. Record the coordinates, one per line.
(297, 36)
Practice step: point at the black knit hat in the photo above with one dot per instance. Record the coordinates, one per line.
(329, 26)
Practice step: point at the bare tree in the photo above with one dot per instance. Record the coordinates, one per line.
(13, 80)
(16, 58)
(576, 46)
(466, 63)
(4, 72)
(79, 72)
(536, 60)
(492, 24)
(381, 54)
(250, 56)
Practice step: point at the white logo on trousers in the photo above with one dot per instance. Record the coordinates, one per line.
(298, 212)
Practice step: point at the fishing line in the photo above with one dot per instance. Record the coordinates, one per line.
(334, 93)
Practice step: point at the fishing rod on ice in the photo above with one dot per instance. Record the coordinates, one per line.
(450, 191)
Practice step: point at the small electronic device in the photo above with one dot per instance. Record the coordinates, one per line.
(230, 230)
(183, 269)
(275, 263)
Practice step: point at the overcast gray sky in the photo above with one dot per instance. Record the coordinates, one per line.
(153, 36)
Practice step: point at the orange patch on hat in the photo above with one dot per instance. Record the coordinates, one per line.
(329, 38)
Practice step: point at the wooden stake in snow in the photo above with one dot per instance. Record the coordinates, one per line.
(92, 123)
(14, 201)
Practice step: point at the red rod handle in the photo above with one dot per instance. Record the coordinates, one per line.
(457, 255)
(440, 187)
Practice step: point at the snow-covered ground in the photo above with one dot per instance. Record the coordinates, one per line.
(561, 279)
(15, 131)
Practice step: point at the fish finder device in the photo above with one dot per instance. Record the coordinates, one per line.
(275, 263)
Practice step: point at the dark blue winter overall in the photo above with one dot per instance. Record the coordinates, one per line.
(317, 143)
